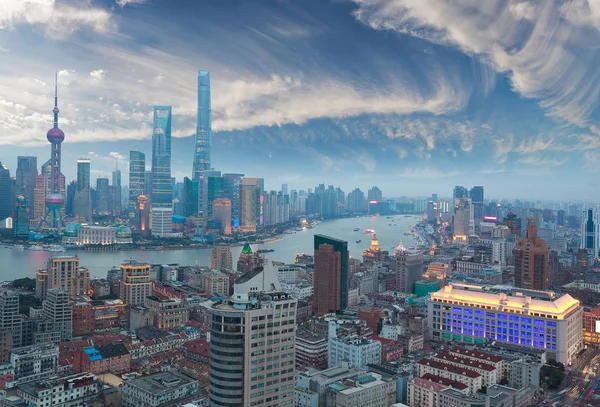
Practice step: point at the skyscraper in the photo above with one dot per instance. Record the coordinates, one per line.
(238, 326)
(514, 224)
(21, 218)
(476, 195)
(190, 197)
(82, 206)
(137, 178)
(26, 173)
(116, 192)
(375, 194)
(231, 190)
(56, 200)
(7, 199)
(251, 203)
(459, 193)
(162, 194)
(203, 127)
(531, 259)
(102, 193)
(590, 231)
(212, 188)
(330, 275)
(221, 210)
(142, 214)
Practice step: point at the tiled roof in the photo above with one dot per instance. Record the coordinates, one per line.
(450, 368)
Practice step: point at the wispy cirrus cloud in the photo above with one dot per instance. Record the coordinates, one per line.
(57, 19)
(546, 56)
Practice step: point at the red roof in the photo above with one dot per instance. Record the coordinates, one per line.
(427, 384)
(467, 362)
(198, 346)
(487, 356)
(450, 368)
(445, 381)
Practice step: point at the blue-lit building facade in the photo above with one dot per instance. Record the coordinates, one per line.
(476, 315)
(162, 193)
(203, 127)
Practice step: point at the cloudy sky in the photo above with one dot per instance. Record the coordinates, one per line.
(411, 95)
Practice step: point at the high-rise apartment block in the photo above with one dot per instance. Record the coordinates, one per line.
(135, 282)
(531, 259)
(221, 258)
(330, 275)
(66, 273)
(10, 318)
(590, 231)
(57, 311)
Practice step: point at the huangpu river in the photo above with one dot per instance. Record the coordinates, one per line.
(390, 232)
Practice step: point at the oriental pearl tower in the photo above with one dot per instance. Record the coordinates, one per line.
(55, 200)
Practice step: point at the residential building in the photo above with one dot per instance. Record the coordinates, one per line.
(453, 398)
(33, 363)
(425, 391)
(489, 374)
(10, 318)
(312, 384)
(215, 283)
(330, 275)
(168, 388)
(60, 391)
(470, 314)
(41, 284)
(467, 377)
(356, 350)
(370, 389)
(135, 282)
(57, 311)
(221, 258)
(409, 269)
(109, 358)
(311, 349)
(167, 313)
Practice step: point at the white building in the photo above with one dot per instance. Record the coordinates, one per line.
(162, 222)
(32, 363)
(158, 389)
(371, 390)
(392, 331)
(65, 391)
(298, 290)
(472, 314)
(459, 374)
(287, 274)
(356, 350)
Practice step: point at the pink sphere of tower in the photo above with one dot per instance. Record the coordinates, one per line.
(55, 136)
(54, 201)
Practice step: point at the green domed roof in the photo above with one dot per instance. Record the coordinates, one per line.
(123, 232)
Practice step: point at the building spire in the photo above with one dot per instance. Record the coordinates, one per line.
(55, 110)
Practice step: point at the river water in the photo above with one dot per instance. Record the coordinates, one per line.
(15, 264)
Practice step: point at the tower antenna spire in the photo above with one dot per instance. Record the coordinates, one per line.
(55, 110)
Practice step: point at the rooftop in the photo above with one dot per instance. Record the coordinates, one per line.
(450, 368)
(160, 383)
(463, 361)
(477, 295)
(476, 354)
(445, 382)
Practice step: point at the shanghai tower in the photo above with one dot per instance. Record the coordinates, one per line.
(202, 151)
(55, 200)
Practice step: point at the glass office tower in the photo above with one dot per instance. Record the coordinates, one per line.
(162, 194)
(203, 127)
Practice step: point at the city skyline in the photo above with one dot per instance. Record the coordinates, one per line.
(404, 123)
